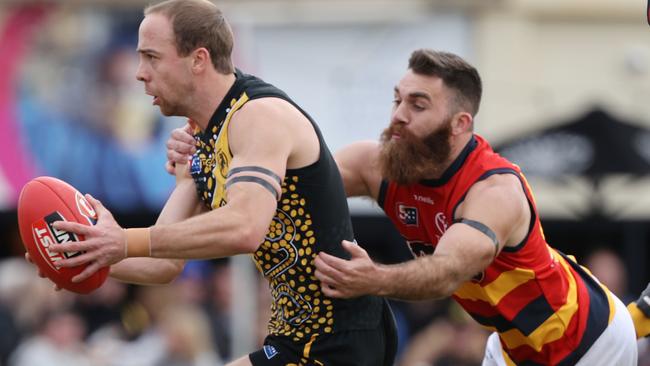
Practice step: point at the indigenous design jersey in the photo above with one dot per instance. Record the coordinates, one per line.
(546, 308)
(312, 216)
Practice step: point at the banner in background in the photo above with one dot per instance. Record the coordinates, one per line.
(70, 107)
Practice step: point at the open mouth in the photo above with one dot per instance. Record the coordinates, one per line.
(156, 99)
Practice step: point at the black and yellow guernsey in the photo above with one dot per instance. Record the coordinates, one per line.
(312, 216)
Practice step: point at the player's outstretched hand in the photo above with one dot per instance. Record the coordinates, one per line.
(343, 278)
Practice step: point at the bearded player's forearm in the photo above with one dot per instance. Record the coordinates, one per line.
(429, 277)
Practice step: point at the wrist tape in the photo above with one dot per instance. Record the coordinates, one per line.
(138, 243)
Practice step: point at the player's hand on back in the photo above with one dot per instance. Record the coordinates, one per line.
(342, 278)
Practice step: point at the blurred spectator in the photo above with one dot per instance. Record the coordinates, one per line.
(58, 343)
(188, 337)
(137, 340)
(103, 306)
(28, 296)
(219, 307)
(25, 300)
(264, 304)
(608, 267)
(194, 282)
(10, 336)
(451, 340)
(412, 317)
(14, 275)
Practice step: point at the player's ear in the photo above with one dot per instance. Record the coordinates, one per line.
(200, 60)
(461, 122)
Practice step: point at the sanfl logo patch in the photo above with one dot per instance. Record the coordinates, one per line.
(270, 351)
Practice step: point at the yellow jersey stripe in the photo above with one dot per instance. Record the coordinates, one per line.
(223, 147)
(497, 289)
(554, 327)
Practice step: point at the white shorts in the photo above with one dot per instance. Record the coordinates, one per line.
(616, 346)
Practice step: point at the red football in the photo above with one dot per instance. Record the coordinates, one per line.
(43, 201)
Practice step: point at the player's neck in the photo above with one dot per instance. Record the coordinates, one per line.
(458, 144)
(209, 94)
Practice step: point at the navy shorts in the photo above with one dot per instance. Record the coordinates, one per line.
(366, 347)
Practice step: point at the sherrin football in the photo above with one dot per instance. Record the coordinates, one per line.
(43, 201)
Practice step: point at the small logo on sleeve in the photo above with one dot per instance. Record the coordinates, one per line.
(195, 165)
(269, 351)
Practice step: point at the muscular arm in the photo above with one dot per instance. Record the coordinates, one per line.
(265, 133)
(258, 136)
(462, 252)
(360, 173)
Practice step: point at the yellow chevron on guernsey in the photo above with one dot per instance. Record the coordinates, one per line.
(555, 326)
(500, 287)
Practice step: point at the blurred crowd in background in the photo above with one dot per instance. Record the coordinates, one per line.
(182, 324)
(70, 107)
(187, 323)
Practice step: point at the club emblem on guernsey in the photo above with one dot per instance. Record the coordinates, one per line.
(270, 351)
(441, 223)
(407, 215)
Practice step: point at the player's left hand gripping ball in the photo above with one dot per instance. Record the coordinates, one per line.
(43, 201)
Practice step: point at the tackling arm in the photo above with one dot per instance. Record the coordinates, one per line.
(357, 164)
(462, 252)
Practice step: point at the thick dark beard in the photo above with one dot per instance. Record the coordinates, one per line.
(410, 159)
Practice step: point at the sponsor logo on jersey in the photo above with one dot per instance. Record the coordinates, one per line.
(441, 223)
(269, 351)
(195, 165)
(424, 199)
(407, 215)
